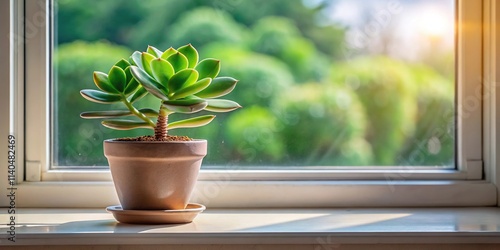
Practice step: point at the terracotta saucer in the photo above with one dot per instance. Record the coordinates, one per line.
(156, 216)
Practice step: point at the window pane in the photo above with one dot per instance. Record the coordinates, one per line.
(322, 82)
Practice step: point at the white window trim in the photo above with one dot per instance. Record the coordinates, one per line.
(466, 186)
(491, 76)
(11, 106)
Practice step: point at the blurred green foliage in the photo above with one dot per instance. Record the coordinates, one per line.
(208, 25)
(304, 104)
(387, 90)
(279, 37)
(433, 142)
(317, 123)
(254, 138)
(77, 142)
(261, 77)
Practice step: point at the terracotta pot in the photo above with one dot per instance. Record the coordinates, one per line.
(154, 175)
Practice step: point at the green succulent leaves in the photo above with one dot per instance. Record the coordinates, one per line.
(170, 51)
(192, 122)
(149, 83)
(139, 94)
(123, 64)
(102, 82)
(162, 70)
(178, 61)
(218, 105)
(124, 124)
(146, 59)
(117, 78)
(118, 81)
(132, 84)
(177, 77)
(135, 59)
(208, 68)
(175, 74)
(181, 79)
(99, 96)
(117, 113)
(220, 86)
(154, 51)
(186, 106)
(191, 89)
(191, 54)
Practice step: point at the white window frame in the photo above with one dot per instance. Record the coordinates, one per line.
(474, 183)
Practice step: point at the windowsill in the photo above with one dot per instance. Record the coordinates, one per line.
(262, 226)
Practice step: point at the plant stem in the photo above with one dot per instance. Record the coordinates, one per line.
(161, 130)
(138, 113)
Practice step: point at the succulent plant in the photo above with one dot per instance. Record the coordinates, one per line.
(181, 82)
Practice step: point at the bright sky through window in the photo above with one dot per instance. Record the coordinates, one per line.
(411, 24)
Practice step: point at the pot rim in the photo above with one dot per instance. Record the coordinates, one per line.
(114, 140)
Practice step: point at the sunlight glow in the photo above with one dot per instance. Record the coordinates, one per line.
(433, 23)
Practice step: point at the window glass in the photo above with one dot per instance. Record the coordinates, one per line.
(323, 83)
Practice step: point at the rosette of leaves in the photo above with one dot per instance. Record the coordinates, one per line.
(181, 82)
